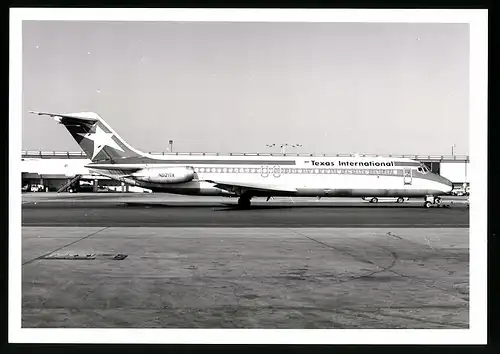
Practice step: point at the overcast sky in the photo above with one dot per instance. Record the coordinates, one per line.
(235, 87)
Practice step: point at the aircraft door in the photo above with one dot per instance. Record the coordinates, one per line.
(264, 171)
(276, 171)
(407, 176)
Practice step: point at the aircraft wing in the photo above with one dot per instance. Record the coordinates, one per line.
(233, 186)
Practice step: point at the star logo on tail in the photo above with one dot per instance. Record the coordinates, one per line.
(101, 139)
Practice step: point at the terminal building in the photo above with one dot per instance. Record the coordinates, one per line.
(65, 171)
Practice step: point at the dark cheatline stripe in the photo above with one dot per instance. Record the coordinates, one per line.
(146, 160)
(407, 164)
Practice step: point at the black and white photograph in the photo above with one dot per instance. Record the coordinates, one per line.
(201, 171)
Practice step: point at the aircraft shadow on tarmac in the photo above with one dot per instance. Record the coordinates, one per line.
(235, 207)
(229, 207)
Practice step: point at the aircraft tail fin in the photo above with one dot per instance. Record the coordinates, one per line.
(96, 138)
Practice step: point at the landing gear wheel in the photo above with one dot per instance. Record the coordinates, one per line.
(400, 200)
(373, 200)
(427, 204)
(244, 202)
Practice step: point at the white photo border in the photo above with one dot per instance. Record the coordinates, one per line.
(476, 334)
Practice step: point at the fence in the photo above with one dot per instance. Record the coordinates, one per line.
(81, 155)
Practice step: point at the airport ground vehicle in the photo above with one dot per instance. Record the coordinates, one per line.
(460, 191)
(246, 176)
(386, 199)
(34, 188)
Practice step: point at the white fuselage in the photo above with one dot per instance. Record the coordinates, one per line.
(297, 176)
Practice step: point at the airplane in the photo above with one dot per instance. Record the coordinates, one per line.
(246, 177)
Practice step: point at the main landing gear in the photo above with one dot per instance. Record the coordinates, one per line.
(432, 202)
(244, 201)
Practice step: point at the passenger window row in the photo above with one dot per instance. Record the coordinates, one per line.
(271, 170)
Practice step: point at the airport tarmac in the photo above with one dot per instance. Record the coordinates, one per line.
(297, 276)
(161, 210)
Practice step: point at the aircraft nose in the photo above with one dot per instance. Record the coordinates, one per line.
(448, 184)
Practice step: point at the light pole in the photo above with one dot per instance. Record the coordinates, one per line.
(171, 143)
(284, 146)
(452, 149)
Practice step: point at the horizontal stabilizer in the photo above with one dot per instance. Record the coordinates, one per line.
(85, 116)
(230, 185)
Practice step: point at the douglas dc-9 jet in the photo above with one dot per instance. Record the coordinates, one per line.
(246, 176)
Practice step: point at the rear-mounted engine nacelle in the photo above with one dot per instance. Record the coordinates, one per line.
(165, 175)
